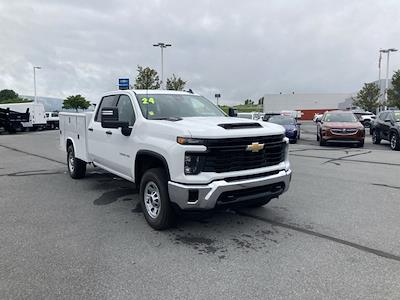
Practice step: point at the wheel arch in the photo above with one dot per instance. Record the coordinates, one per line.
(147, 159)
(68, 142)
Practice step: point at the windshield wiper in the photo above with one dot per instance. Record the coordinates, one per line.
(173, 119)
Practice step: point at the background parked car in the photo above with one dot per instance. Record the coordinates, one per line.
(387, 127)
(365, 117)
(292, 127)
(340, 126)
(250, 115)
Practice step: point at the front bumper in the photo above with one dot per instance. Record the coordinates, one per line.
(225, 192)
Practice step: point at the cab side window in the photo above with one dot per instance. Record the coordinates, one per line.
(125, 110)
(107, 101)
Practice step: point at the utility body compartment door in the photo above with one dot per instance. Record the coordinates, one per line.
(73, 126)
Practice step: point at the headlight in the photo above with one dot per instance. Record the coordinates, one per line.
(192, 164)
(189, 141)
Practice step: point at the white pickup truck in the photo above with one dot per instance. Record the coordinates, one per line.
(182, 151)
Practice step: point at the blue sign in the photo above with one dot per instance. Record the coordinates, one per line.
(123, 83)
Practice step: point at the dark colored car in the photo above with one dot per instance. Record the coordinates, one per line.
(340, 126)
(387, 127)
(292, 128)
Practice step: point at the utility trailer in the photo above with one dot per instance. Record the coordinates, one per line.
(12, 120)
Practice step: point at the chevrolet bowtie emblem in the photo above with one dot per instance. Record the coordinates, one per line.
(255, 147)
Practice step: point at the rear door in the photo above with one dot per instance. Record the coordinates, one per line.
(99, 138)
(384, 127)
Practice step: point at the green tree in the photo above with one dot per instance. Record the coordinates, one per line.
(9, 96)
(175, 83)
(248, 102)
(368, 97)
(394, 93)
(147, 79)
(76, 102)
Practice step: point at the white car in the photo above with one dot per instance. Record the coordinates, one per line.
(181, 150)
(250, 115)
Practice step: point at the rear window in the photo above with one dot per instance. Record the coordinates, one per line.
(396, 116)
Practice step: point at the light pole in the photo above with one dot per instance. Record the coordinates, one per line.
(34, 80)
(387, 51)
(162, 46)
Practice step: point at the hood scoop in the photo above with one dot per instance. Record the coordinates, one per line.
(240, 125)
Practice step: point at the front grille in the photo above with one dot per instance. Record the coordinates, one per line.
(344, 130)
(227, 155)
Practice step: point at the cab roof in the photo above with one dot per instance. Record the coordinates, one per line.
(158, 92)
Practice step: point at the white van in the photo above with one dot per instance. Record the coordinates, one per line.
(37, 117)
(53, 119)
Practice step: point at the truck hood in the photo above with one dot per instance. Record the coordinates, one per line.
(225, 127)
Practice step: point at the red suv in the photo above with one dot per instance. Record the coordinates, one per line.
(340, 126)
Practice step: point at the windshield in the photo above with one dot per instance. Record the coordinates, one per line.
(339, 117)
(282, 120)
(161, 106)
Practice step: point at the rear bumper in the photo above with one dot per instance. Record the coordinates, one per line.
(223, 193)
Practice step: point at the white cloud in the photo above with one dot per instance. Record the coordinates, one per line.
(242, 49)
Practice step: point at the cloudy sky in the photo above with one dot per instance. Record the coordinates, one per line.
(241, 49)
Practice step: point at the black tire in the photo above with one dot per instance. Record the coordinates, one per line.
(260, 202)
(322, 142)
(361, 144)
(158, 211)
(76, 167)
(394, 141)
(376, 137)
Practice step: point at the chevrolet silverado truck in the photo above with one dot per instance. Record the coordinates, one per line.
(181, 150)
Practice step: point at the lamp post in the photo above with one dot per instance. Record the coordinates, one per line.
(387, 51)
(162, 46)
(34, 80)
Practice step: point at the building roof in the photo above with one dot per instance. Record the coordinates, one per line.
(278, 102)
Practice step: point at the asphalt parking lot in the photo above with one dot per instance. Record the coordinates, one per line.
(334, 235)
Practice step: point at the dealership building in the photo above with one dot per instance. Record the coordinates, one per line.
(307, 104)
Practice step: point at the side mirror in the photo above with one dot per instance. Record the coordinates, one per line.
(232, 112)
(110, 119)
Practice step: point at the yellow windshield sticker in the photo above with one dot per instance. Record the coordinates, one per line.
(151, 100)
(151, 113)
(145, 100)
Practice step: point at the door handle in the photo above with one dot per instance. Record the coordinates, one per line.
(109, 132)
(90, 129)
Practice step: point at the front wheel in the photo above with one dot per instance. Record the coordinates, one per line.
(155, 199)
(395, 142)
(76, 167)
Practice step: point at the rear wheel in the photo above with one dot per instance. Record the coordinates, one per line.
(394, 142)
(76, 167)
(155, 199)
(376, 138)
